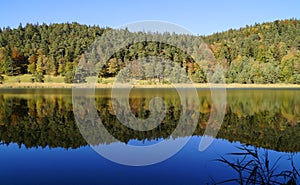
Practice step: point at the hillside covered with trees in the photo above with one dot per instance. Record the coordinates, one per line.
(261, 53)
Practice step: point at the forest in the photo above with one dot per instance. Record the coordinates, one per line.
(265, 53)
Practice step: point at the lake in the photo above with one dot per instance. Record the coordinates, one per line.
(41, 143)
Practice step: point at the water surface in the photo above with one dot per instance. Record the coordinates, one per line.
(41, 142)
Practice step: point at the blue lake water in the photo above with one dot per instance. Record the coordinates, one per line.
(41, 144)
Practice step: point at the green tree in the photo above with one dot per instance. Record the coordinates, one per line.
(61, 67)
(39, 75)
(199, 77)
(149, 71)
(159, 70)
(113, 67)
(69, 77)
(270, 73)
(5, 61)
(81, 74)
(32, 64)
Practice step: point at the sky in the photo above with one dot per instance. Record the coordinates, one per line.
(197, 16)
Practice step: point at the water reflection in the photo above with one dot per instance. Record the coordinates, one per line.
(268, 119)
(43, 119)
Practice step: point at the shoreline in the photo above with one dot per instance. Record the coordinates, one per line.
(109, 86)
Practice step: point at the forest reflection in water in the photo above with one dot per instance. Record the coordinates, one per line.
(44, 118)
(38, 131)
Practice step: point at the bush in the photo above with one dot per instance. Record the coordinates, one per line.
(199, 77)
(296, 79)
(39, 78)
(69, 77)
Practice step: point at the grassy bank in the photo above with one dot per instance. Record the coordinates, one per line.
(65, 85)
(24, 81)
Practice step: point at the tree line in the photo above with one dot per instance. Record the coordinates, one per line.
(261, 53)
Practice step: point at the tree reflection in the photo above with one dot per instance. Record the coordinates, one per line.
(258, 119)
